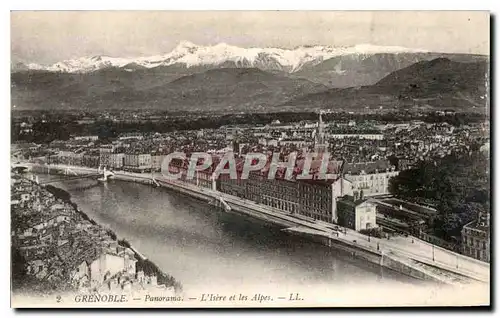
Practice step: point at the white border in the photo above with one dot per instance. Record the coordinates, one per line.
(195, 5)
(253, 5)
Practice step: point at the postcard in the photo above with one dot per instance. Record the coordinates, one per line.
(250, 159)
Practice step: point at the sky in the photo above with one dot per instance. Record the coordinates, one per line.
(51, 36)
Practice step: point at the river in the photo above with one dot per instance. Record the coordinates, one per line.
(202, 246)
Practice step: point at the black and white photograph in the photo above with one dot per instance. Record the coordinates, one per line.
(250, 159)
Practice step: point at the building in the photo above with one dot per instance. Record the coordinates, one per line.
(297, 142)
(476, 238)
(70, 158)
(356, 212)
(109, 264)
(314, 198)
(117, 160)
(131, 135)
(105, 152)
(156, 161)
(201, 179)
(137, 161)
(268, 141)
(90, 159)
(86, 138)
(86, 121)
(368, 136)
(317, 200)
(370, 177)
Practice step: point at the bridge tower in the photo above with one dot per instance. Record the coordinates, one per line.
(68, 171)
(105, 174)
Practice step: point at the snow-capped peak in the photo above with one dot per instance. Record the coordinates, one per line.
(185, 47)
(186, 44)
(190, 54)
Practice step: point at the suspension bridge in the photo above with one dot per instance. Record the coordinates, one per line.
(72, 177)
(66, 173)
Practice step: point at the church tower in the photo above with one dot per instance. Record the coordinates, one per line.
(320, 145)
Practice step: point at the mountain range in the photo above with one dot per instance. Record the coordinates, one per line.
(219, 76)
(224, 88)
(191, 55)
(439, 83)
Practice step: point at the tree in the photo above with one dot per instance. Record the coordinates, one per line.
(457, 186)
(452, 225)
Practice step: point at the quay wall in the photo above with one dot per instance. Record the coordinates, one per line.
(403, 267)
(377, 257)
(356, 251)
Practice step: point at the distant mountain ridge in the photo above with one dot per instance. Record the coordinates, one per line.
(343, 67)
(225, 88)
(200, 77)
(366, 69)
(439, 83)
(189, 55)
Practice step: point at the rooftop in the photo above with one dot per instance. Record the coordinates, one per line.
(367, 167)
(351, 201)
(482, 224)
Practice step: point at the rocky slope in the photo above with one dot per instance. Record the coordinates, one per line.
(439, 83)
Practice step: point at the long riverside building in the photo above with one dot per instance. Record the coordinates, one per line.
(313, 198)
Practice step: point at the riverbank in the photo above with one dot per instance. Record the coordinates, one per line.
(407, 256)
(316, 231)
(55, 232)
(143, 264)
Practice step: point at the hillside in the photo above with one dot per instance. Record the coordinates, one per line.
(402, 79)
(227, 88)
(439, 83)
(335, 67)
(352, 70)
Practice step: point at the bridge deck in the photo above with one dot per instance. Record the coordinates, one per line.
(75, 177)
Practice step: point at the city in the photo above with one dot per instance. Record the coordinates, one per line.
(365, 157)
(180, 174)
